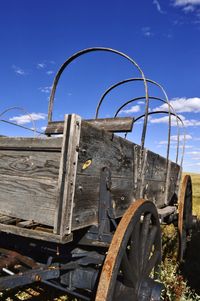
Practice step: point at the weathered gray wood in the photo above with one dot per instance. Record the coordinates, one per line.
(31, 164)
(41, 235)
(130, 178)
(45, 144)
(166, 211)
(70, 166)
(27, 224)
(62, 173)
(103, 149)
(29, 169)
(28, 198)
(119, 124)
(7, 219)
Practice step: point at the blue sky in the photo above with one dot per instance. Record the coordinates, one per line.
(163, 37)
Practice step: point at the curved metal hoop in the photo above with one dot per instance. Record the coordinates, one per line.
(24, 111)
(164, 101)
(173, 114)
(82, 52)
(146, 109)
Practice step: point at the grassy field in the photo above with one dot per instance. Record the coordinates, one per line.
(190, 269)
(182, 282)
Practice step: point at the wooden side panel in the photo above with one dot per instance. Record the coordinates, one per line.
(102, 149)
(152, 181)
(174, 181)
(130, 178)
(29, 171)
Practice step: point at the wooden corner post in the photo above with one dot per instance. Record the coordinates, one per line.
(67, 175)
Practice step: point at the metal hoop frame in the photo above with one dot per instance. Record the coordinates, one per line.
(94, 49)
(12, 123)
(164, 101)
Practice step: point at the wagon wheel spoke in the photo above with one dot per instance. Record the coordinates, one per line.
(134, 252)
(122, 277)
(151, 264)
(130, 277)
(149, 246)
(144, 237)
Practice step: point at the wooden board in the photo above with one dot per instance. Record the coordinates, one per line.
(119, 124)
(29, 170)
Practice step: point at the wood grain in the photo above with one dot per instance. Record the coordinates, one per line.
(123, 124)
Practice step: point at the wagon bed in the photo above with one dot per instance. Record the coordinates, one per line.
(47, 192)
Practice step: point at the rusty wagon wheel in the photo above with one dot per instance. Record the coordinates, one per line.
(185, 214)
(132, 263)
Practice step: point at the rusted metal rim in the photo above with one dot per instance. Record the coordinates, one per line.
(133, 234)
(184, 214)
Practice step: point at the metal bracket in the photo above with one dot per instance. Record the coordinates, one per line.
(102, 232)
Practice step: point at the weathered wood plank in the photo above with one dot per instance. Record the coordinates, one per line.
(29, 164)
(7, 219)
(28, 198)
(27, 224)
(40, 235)
(120, 124)
(31, 144)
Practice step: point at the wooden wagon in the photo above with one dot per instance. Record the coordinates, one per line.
(86, 206)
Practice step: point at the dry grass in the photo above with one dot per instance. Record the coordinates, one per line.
(196, 193)
(182, 282)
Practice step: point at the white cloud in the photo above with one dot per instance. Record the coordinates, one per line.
(165, 120)
(174, 138)
(146, 31)
(41, 65)
(158, 7)
(43, 128)
(181, 137)
(49, 72)
(183, 105)
(194, 153)
(133, 109)
(141, 102)
(46, 89)
(23, 119)
(18, 70)
(186, 2)
(189, 6)
(188, 9)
